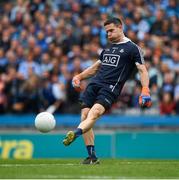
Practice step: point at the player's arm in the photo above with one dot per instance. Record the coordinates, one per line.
(90, 71)
(144, 99)
(87, 73)
(144, 77)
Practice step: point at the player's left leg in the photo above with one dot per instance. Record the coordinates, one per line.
(89, 141)
(88, 136)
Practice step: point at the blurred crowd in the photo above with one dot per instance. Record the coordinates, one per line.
(44, 43)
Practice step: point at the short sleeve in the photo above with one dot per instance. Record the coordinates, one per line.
(101, 56)
(138, 55)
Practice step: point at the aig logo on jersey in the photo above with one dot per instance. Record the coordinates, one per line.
(111, 60)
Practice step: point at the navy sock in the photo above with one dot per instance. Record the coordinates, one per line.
(91, 151)
(78, 132)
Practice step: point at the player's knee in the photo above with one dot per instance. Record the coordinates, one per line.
(96, 113)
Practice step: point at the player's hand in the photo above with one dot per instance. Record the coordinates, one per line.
(144, 98)
(76, 83)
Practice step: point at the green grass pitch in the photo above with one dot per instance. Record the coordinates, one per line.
(71, 168)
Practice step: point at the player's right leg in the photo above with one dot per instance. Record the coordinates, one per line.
(88, 136)
(95, 113)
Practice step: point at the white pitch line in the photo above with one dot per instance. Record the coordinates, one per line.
(149, 162)
(20, 165)
(73, 164)
(72, 177)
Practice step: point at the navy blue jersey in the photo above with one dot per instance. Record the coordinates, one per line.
(117, 63)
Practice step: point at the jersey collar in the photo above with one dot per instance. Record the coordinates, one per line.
(125, 39)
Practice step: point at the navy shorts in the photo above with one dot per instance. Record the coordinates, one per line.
(95, 93)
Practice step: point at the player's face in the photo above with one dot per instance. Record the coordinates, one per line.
(113, 32)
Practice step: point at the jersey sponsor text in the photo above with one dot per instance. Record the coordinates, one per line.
(111, 60)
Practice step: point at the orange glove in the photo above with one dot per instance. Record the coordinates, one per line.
(76, 83)
(144, 98)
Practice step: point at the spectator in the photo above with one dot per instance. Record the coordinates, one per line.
(13, 90)
(176, 98)
(11, 58)
(5, 40)
(28, 67)
(45, 65)
(53, 94)
(30, 94)
(167, 105)
(3, 98)
(3, 61)
(158, 23)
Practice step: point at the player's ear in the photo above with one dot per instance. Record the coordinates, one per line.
(120, 26)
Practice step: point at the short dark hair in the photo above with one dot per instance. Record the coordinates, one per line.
(113, 20)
